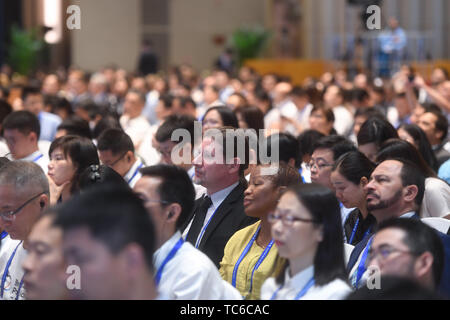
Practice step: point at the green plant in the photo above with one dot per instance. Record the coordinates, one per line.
(249, 43)
(23, 50)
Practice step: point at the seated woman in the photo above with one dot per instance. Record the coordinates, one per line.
(250, 256)
(372, 134)
(351, 172)
(414, 135)
(307, 231)
(217, 117)
(436, 199)
(322, 119)
(69, 157)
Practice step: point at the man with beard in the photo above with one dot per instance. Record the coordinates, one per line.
(395, 190)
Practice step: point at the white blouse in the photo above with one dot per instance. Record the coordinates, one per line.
(334, 290)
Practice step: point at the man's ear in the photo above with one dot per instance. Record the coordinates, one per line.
(423, 264)
(43, 201)
(438, 135)
(33, 136)
(129, 156)
(411, 192)
(173, 213)
(133, 259)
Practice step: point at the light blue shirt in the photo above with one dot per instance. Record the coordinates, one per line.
(393, 40)
(49, 124)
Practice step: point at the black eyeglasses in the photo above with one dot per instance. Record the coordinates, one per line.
(10, 215)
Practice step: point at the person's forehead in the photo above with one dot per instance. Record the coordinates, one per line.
(324, 153)
(428, 117)
(389, 236)
(14, 133)
(390, 168)
(148, 185)
(45, 231)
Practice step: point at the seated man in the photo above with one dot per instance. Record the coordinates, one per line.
(24, 195)
(168, 195)
(109, 236)
(220, 169)
(45, 269)
(33, 101)
(408, 248)
(21, 132)
(116, 150)
(167, 144)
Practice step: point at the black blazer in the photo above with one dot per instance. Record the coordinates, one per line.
(229, 218)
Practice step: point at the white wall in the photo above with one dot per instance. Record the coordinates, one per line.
(110, 33)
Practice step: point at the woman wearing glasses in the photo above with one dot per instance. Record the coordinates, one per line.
(306, 228)
(250, 255)
(69, 157)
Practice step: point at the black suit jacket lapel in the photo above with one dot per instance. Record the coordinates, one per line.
(224, 209)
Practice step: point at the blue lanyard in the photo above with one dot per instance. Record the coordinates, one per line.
(169, 257)
(135, 173)
(362, 264)
(38, 157)
(5, 273)
(199, 239)
(354, 231)
(20, 287)
(301, 175)
(300, 295)
(258, 263)
(3, 235)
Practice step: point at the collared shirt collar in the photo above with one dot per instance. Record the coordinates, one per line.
(164, 250)
(300, 279)
(218, 197)
(409, 214)
(191, 172)
(132, 170)
(32, 156)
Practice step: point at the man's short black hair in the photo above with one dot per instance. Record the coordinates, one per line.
(30, 90)
(337, 144)
(167, 100)
(175, 187)
(420, 238)
(114, 216)
(441, 123)
(116, 141)
(173, 123)
(76, 126)
(24, 121)
(412, 175)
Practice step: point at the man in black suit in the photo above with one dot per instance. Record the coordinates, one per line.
(220, 213)
(395, 190)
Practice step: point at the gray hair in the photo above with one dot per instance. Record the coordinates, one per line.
(23, 174)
